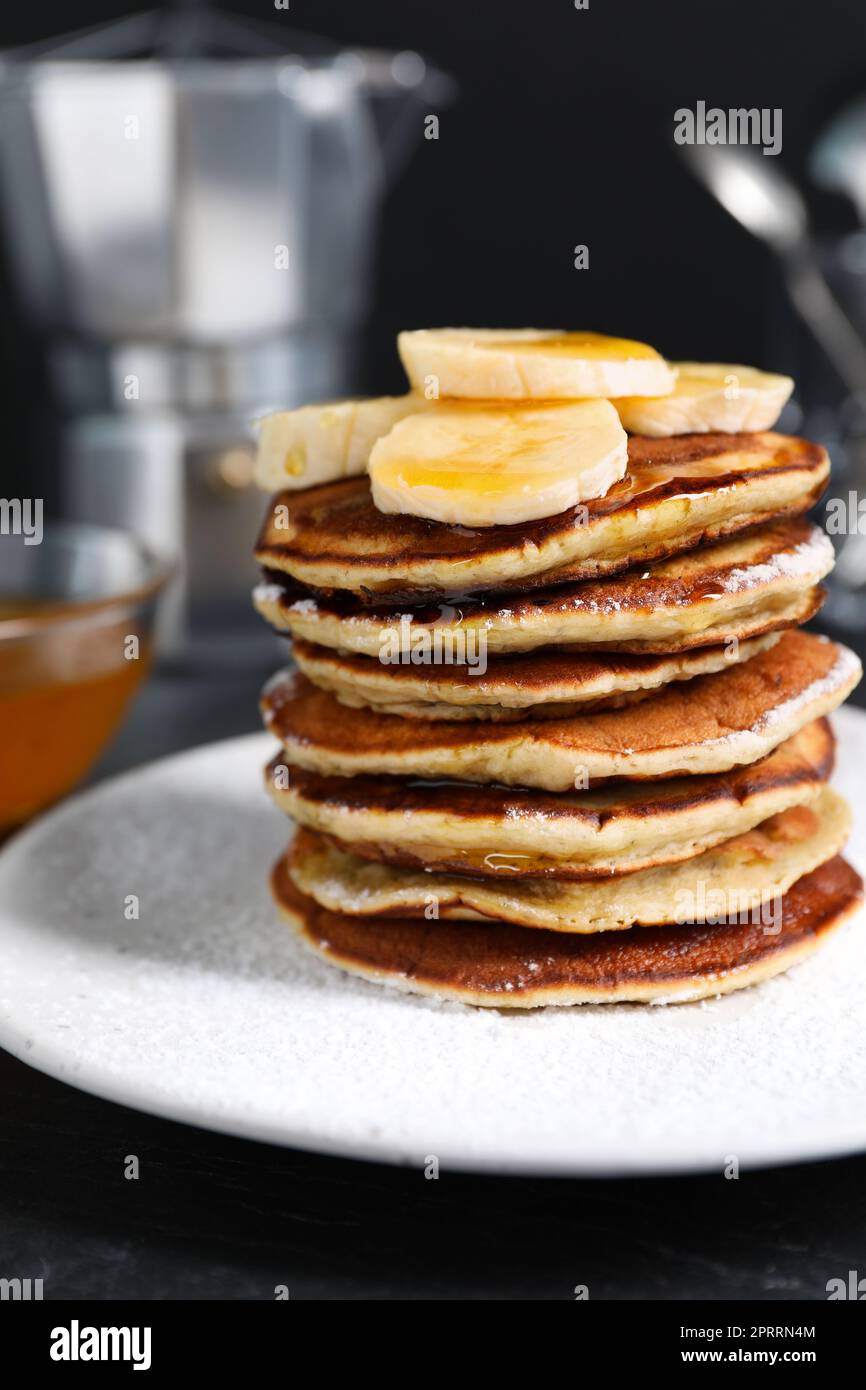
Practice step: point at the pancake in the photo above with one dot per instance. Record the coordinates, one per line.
(740, 876)
(678, 492)
(504, 966)
(757, 583)
(488, 831)
(547, 684)
(706, 725)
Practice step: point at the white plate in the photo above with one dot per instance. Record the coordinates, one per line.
(207, 1010)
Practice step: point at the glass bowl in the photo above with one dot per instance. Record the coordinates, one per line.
(76, 639)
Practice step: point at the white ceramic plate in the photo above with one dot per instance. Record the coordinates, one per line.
(206, 1009)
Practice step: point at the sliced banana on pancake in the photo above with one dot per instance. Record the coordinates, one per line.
(534, 363)
(709, 396)
(545, 684)
(478, 465)
(735, 589)
(503, 966)
(495, 831)
(706, 725)
(740, 877)
(321, 443)
(677, 493)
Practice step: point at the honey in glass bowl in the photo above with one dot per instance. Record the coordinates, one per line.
(76, 637)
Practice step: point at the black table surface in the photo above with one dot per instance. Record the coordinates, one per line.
(213, 1217)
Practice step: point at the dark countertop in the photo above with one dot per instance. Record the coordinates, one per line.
(221, 1218)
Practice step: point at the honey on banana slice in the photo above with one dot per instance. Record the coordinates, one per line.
(498, 465)
(709, 397)
(531, 363)
(322, 443)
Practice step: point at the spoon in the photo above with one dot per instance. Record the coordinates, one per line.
(761, 197)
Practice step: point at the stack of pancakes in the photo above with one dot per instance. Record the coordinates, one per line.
(552, 763)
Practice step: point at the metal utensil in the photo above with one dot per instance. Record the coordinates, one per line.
(838, 159)
(761, 197)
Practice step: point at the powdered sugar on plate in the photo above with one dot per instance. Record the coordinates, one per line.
(141, 959)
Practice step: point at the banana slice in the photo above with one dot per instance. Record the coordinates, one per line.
(709, 396)
(321, 443)
(531, 363)
(495, 465)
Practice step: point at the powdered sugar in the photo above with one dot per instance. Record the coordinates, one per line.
(267, 593)
(845, 670)
(808, 561)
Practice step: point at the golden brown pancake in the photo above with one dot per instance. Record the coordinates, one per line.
(503, 966)
(677, 493)
(740, 588)
(546, 684)
(701, 726)
(745, 875)
(456, 827)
